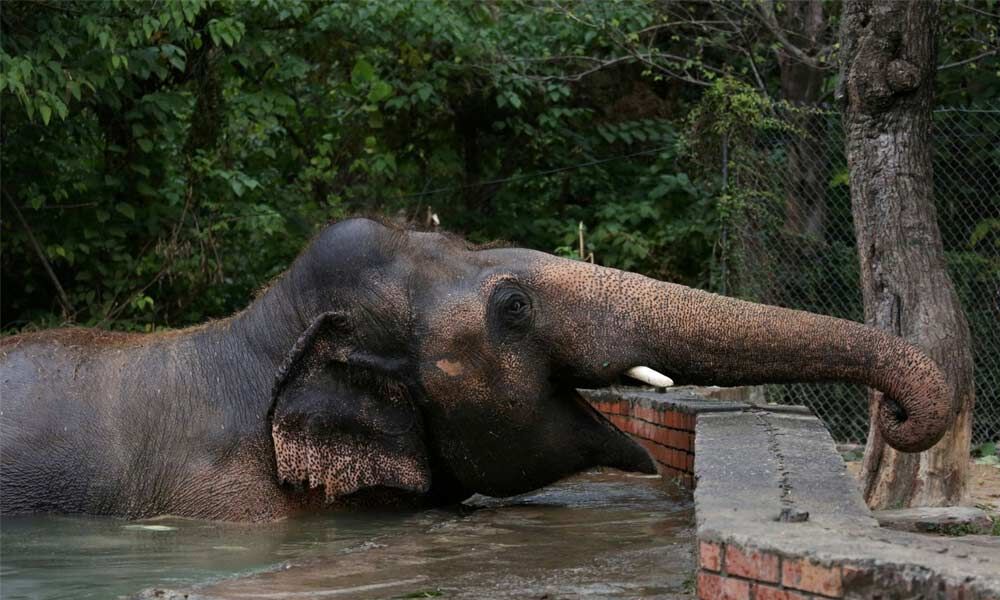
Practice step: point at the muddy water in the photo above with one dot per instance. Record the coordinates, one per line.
(596, 535)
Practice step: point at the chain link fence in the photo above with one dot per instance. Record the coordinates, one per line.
(790, 240)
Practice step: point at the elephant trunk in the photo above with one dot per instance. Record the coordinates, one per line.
(695, 337)
(703, 338)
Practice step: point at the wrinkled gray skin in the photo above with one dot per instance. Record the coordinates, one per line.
(395, 366)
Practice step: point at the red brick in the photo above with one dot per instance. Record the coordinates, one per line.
(659, 453)
(690, 462)
(752, 564)
(672, 438)
(654, 450)
(713, 587)
(671, 435)
(631, 425)
(661, 435)
(709, 556)
(709, 586)
(648, 446)
(663, 455)
(672, 459)
(766, 592)
(673, 418)
(810, 577)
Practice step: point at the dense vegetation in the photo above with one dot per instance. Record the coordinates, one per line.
(163, 160)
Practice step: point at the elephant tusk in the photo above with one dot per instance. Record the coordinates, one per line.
(650, 377)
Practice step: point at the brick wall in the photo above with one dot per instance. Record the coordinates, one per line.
(664, 429)
(733, 572)
(746, 550)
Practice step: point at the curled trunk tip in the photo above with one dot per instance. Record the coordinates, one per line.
(914, 409)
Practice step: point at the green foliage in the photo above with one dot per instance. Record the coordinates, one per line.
(986, 454)
(169, 158)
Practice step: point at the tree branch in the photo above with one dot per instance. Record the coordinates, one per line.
(68, 311)
(765, 11)
(967, 60)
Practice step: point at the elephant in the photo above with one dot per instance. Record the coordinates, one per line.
(390, 366)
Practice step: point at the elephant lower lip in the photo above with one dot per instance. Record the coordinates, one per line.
(619, 450)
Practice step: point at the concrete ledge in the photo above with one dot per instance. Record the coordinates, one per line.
(778, 515)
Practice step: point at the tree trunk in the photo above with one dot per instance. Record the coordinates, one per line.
(887, 86)
(802, 85)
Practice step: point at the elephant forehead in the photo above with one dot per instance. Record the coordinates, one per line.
(457, 309)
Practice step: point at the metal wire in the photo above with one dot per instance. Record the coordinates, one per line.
(792, 242)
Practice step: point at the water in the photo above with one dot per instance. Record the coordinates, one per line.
(602, 534)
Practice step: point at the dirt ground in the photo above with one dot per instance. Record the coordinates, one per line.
(984, 486)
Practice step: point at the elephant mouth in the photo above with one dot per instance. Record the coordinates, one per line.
(615, 448)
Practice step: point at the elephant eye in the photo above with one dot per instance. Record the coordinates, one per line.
(514, 307)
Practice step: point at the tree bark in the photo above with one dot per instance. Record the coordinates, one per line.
(887, 86)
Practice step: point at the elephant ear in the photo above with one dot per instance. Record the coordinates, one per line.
(339, 421)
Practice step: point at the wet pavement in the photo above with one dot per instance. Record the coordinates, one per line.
(598, 535)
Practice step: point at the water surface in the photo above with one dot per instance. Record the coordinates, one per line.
(596, 535)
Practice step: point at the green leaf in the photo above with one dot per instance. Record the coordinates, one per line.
(126, 210)
(362, 73)
(380, 91)
(46, 112)
(237, 186)
(983, 229)
(842, 177)
(985, 449)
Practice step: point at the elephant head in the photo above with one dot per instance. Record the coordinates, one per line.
(441, 369)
